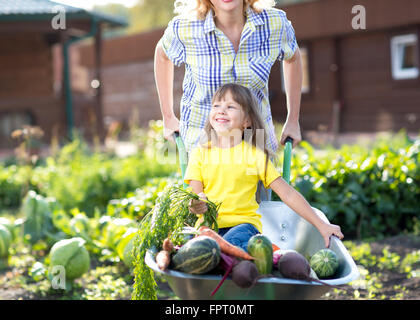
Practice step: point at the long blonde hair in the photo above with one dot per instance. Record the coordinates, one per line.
(200, 8)
(244, 97)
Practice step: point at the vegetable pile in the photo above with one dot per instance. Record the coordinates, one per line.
(167, 219)
(201, 255)
(164, 233)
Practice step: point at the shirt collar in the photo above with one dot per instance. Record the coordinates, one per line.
(252, 17)
(209, 24)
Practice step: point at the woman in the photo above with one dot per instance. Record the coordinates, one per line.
(222, 41)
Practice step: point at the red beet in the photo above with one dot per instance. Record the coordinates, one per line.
(295, 266)
(245, 274)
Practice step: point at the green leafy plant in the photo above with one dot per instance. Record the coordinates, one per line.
(167, 219)
(367, 190)
(38, 220)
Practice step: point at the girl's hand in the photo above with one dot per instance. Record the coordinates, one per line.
(197, 206)
(327, 230)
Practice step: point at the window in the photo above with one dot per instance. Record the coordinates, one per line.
(13, 120)
(404, 57)
(305, 71)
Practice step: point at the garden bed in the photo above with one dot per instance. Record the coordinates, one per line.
(381, 271)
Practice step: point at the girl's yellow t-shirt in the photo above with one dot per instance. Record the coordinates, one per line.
(230, 176)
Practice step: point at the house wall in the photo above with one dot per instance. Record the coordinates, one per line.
(329, 18)
(373, 100)
(128, 83)
(316, 105)
(129, 91)
(26, 81)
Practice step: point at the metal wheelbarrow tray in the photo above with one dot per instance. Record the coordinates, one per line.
(287, 230)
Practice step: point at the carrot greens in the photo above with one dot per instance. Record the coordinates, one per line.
(166, 219)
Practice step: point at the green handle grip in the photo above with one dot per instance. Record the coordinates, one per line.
(287, 159)
(182, 155)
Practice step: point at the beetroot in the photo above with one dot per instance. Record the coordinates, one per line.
(245, 274)
(293, 265)
(278, 254)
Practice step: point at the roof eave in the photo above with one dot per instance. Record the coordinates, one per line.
(110, 21)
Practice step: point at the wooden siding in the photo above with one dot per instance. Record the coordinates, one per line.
(373, 100)
(330, 18)
(25, 64)
(26, 82)
(316, 105)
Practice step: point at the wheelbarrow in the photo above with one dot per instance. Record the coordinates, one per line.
(284, 228)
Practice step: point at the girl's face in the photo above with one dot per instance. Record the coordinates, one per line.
(227, 5)
(226, 115)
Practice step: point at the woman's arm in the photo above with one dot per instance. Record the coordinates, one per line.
(164, 78)
(295, 201)
(292, 70)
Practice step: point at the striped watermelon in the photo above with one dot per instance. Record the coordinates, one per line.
(260, 247)
(5, 240)
(199, 255)
(324, 262)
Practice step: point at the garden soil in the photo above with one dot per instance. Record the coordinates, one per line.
(393, 283)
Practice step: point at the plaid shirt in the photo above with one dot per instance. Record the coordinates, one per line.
(211, 61)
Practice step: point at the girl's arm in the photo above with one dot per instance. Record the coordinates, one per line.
(164, 78)
(198, 207)
(292, 70)
(298, 203)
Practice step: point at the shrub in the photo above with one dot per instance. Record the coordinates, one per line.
(77, 177)
(368, 191)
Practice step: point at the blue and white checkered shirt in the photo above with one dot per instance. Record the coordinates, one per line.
(211, 61)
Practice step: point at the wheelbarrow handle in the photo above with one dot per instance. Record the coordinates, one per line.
(182, 155)
(287, 160)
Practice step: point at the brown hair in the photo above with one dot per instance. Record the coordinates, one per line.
(202, 7)
(244, 97)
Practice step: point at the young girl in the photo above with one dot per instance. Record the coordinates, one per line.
(229, 163)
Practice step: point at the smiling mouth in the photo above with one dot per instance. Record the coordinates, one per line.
(222, 120)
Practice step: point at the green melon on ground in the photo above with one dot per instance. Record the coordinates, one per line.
(5, 240)
(72, 255)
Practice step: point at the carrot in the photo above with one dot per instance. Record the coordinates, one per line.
(163, 258)
(275, 248)
(225, 246)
